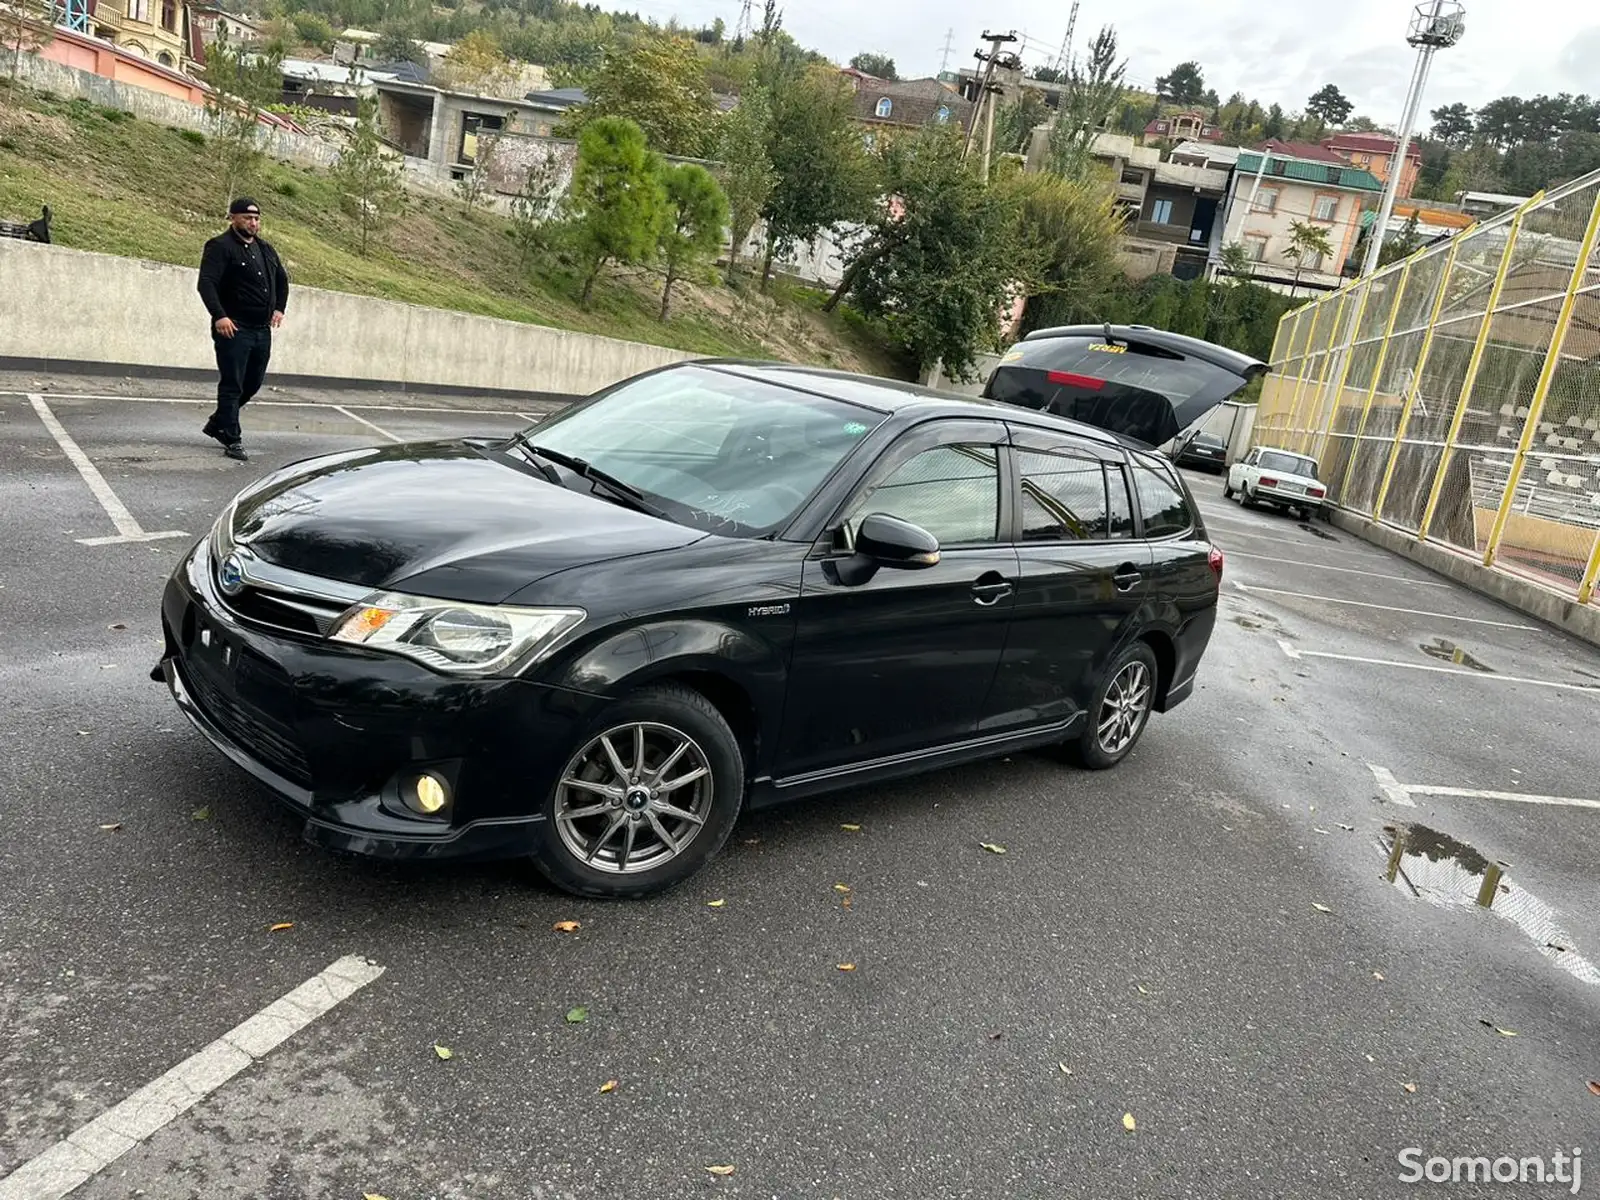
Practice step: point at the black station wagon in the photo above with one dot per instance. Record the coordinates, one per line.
(714, 586)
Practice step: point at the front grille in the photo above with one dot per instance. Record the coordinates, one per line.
(251, 731)
(293, 612)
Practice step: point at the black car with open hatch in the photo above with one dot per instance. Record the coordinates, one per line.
(713, 586)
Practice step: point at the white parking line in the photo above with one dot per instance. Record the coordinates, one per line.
(83, 1154)
(260, 403)
(364, 421)
(128, 529)
(1392, 787)
(1347, 570)
(1417, 612)
(1401, 793)
(1487, 676)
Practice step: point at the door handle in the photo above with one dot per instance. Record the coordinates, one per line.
(1127, 577)
(990, 589)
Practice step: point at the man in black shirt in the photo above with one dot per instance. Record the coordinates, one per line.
(245, 289)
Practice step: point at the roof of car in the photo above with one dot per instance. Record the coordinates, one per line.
(897, 396)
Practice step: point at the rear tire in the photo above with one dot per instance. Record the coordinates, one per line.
(648, 796)
(1120, 711)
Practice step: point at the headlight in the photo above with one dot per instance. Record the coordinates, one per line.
(463, 639)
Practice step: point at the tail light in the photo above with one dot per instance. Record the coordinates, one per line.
(1214, 561)
(1319, 493)
(1268, 481)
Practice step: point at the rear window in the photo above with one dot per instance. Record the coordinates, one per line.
(1166, 512)
(1288, 464)
(1093, 364)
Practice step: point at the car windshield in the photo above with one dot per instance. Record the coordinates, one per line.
(713, 450)
(1288, 464)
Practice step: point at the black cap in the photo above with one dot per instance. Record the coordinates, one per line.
(244, 205)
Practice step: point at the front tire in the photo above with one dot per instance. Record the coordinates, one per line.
(1120, 711)
(1227, 491)
(648, 796)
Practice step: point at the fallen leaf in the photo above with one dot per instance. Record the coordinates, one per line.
(992, 848)
(566, 927)
(280, 926)
(444, 1052)
(113, 827)
(201, 814)
(1505, 1032)
(847, 829)
(1065, 1070)
(1369, 1058)
(577, 1016)
(609, 1085)
(116, 625)
(726, 1169)
(1321, 907)
(1410, 1087)
(1378, 975)
(1594, 1087)
(841, 887)
(847, 902)
(995, 1037)
(1128, 1122)
(715, 903)
(846, 967)
(1142, 992)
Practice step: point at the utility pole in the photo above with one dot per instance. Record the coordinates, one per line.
(1435, 25)
(949, 45)
(1065, 56)
(746, 24)
(987, 89)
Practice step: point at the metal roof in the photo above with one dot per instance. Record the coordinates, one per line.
(1310, 172)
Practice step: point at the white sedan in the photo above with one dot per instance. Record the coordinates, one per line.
(1278, 477)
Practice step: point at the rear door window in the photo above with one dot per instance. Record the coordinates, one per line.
(1161, 502)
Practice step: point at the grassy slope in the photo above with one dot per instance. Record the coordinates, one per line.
(119, 185)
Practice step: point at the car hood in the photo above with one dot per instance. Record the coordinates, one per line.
(449, 519)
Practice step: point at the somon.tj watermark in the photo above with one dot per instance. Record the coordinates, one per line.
(1558, 1168)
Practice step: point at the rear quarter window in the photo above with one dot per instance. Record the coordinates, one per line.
(1162, 503)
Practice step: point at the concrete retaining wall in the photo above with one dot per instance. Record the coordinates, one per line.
(71, 309)
(1580, 620)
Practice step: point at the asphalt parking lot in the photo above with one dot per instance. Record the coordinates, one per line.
(1205, 940)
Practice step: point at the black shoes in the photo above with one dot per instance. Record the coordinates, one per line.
(236, 450)
(232, 448)
(211, 431)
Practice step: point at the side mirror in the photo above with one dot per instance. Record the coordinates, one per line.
(891, 542)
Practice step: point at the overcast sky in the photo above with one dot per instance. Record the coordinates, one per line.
(1271, 50)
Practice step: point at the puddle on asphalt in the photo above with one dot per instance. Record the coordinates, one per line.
(1448, 651)
(1436, 868)
(1321, 533)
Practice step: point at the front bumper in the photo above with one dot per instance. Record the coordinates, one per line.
(333, 731)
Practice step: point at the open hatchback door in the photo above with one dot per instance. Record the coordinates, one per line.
(1129, 379)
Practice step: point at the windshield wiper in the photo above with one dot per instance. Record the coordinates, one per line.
(593, 474)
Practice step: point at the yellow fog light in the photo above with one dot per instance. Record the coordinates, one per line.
(427, 794)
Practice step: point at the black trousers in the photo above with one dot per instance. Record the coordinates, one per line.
(241, 366)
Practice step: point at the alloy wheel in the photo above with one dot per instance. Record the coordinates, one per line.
(1123, 712)
(633, 798)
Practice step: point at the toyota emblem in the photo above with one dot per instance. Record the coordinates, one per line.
(230, 576)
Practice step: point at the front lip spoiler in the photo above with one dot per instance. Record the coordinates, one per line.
(486, 838)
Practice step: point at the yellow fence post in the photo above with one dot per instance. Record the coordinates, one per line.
(1416, 383)
(1377, 375)
(1470, 379)
(1586, 588)
(1348, 355)
(1541, 391)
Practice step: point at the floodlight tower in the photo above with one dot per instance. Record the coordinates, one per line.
(1435, 25)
